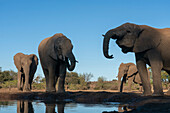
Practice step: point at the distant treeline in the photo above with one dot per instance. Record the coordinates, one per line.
(73, 81)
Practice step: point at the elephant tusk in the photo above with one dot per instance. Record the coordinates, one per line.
(103, 35)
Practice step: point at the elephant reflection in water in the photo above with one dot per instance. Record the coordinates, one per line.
(50, 108)
(123, 108)
(24, 107)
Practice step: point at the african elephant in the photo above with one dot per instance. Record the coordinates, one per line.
(27, 66)
(150, 45)
(128, 71)
(56, 55)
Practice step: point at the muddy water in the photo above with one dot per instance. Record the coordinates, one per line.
(60, 107)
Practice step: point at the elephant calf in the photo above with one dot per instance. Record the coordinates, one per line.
(56, 55)
(128, 71)
(27, 66)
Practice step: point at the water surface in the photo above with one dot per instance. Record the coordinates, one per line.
(21, 106)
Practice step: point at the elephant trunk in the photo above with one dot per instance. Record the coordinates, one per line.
(27, 77)
(109, 34)
(72, 60)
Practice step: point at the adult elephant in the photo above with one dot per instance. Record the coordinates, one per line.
(150, 46)
(128, 72)
(56, 55)
(27, 66)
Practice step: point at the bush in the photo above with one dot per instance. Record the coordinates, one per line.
(39, 86)
(9, 84)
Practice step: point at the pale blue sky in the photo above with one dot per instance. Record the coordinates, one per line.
(25, 23)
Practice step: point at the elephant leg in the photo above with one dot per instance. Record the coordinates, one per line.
(141, 65)
(119, 83)
(30, 81)
(26, 84)
(19, 80)
(130, 81)
(62, 74)
(156, 66)
(140, 88)
(123, 82)
(51, 79)
(22, 80)
(46, 73)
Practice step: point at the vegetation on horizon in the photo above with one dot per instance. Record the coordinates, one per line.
(73, 81)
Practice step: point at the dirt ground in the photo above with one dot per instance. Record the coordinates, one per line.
(133, 100)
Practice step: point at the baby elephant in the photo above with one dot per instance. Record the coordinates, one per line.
(27, 66)
(56, 56)
(128, 72)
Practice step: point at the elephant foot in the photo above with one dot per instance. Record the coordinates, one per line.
(158, 94)
(49, 91)
(26, 89)
(61, 91)
(20, 89)
(146, 94)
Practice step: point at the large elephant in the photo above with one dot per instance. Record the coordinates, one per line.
(128, 72)
(150, 45)
(27, 66)
(56, 55)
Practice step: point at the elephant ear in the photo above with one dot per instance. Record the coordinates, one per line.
(132, 70)
(148, 38)
(17, 61)
(35, 58)
(52, 51)
(55, 51)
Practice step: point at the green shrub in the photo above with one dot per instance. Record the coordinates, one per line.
(9, 84)
(39, 86)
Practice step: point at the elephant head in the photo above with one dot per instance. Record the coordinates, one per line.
(123, 69)
(62, 50)
(131, 38)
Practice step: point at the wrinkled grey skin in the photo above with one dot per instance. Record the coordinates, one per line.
(150, 45)
(55, 54)
(128, 72)
(27, 66)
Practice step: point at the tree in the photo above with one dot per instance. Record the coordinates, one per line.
(101, 79)
(100, 82)
(86, 76)
(7, 76)
(42, 80)
(165, 77)
(37, 79)
(72, 78)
